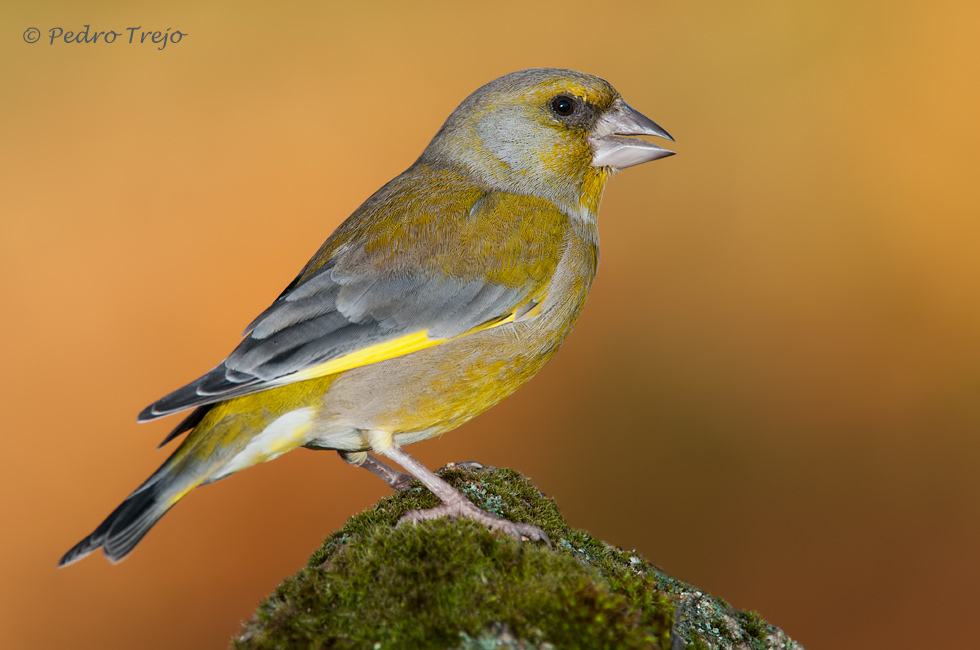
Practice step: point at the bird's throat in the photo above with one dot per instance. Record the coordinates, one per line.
(592, 186)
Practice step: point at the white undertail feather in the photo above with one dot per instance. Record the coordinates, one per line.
(285, 433)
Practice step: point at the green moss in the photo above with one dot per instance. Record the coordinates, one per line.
(456, 584)
(752, 623)
(720, 627)
(755, 629)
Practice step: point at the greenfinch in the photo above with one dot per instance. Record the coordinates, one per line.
(439, 296)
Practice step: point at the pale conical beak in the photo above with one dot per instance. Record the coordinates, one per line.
(611, 149)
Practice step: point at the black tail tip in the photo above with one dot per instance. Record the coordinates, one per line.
(79, 550)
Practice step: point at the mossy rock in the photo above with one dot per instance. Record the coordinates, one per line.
(454, 584)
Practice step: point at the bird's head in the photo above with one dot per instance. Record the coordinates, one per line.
(553, 134)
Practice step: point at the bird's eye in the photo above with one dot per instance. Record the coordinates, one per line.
(563, 105)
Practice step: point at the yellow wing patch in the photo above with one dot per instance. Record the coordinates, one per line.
(365, 356)
(381, 352)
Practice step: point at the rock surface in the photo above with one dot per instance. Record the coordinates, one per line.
(446, 584)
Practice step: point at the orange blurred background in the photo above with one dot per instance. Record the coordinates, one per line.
(772, 394)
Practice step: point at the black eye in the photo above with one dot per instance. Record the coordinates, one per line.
(563, 105)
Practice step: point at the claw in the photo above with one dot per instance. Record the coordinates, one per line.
(464, 509)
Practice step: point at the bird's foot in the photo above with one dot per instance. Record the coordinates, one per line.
(459, 507)
(398, 481)
(401, 482)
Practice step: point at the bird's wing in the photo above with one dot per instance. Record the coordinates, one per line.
(407, 283)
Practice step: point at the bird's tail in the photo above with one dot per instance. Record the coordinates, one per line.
(125, 527)
(226, 439)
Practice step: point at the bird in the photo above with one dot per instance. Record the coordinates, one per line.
(445, 291)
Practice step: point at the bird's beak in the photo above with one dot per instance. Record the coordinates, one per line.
(610, 149)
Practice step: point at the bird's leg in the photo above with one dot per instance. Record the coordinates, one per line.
(454, 504)
(398, 481)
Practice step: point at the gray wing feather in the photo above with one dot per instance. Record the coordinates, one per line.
(333, 313)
